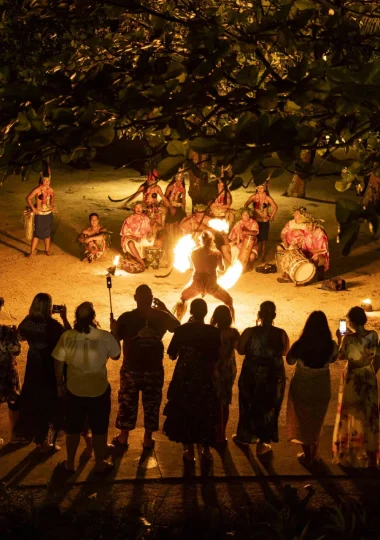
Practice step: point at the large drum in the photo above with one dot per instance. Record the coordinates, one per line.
(153, 257)
(245, 251)
(297, 266)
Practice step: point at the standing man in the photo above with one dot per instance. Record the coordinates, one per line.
(141, 331)
(206, 261)
(42, 207)
(260, 201)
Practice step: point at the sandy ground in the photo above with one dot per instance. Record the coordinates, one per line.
(70, 281)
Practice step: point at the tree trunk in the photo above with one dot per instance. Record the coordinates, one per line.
(297, 186)
(197, 183)
(371, 197)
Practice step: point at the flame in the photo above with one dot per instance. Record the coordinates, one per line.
(366, 301)
(231, 276)
(116, 260)
(182, 252)
(220, 225)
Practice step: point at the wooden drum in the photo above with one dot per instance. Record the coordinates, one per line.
(299, 268)
(246, 249)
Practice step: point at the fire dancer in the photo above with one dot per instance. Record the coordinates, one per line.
(151, 191)
(93, 239)
(261, 202)
(206, 261)
(245, 228)
(42, 207)
(137, 234)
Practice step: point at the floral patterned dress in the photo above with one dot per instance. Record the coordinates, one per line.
(356, 429)
(238, 234)
(95, 249)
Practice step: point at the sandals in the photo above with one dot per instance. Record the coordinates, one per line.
(284, 280)
(115, 442)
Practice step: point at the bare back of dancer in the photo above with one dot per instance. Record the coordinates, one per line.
(207, 261)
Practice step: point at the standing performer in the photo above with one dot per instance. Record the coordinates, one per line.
(176, 195)
(221, 207)
(316, 247)
(42, 208)
(206, 261)
(244, 229)
(261, 200)
(93, 239)
(137, 234)
(151, 191)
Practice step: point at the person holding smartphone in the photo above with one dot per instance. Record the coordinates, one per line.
(356, 432)
(41, 415)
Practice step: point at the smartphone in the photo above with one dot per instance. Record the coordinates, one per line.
(343, 326)
(57, 308)
(109, 282)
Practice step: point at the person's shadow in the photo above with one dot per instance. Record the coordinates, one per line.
(5, 235)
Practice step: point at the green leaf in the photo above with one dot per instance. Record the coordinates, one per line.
(176, 148)
(102, 137)
(169, 166)
(304, 4)
(205, 145)
(342, 186)
(248, 75)
(267, 99)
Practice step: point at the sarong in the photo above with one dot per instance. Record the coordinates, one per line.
(43, 224)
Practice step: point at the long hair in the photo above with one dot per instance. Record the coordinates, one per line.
(85, 318)
(315, 345)
(207, 240)
(221, 318)
(173, 180)
(41, 307)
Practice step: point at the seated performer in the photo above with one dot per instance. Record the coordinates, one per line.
(176, 195)
(244, 228)
(93, 239)
(221, 207)
(197, 222)
(137, 234)
(260, 201)
(151, 191)
(206, 260)
(293, 236)
(316, 247)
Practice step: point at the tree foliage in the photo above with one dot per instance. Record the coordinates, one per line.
(237, 80)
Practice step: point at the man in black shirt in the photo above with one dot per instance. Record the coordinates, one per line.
(141, 331)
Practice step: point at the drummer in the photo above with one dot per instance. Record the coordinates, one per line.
(246, 227)
(293, 236)
(137, 234)
(316, 246)
(262, 202)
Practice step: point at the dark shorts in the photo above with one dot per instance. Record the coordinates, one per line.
(43, 226)
(179, 215)
(263, 231)
(87, 412)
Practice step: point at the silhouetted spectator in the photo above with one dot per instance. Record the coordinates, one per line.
(310, 387)
(261, 381)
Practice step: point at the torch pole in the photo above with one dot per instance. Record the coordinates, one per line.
(111, 313)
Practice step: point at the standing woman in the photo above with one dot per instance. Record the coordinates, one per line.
(40, 407)
(261, 381)
(176, 195)
(225, 371)
(356, 431)
(192, 407)
(41, 202)
(310, 387)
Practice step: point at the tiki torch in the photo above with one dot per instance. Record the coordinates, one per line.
(109, 287)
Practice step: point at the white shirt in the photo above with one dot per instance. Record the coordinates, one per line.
(86, 356)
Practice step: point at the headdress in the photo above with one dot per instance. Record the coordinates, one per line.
(308, 218)
(153, 175)
(200, 208)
